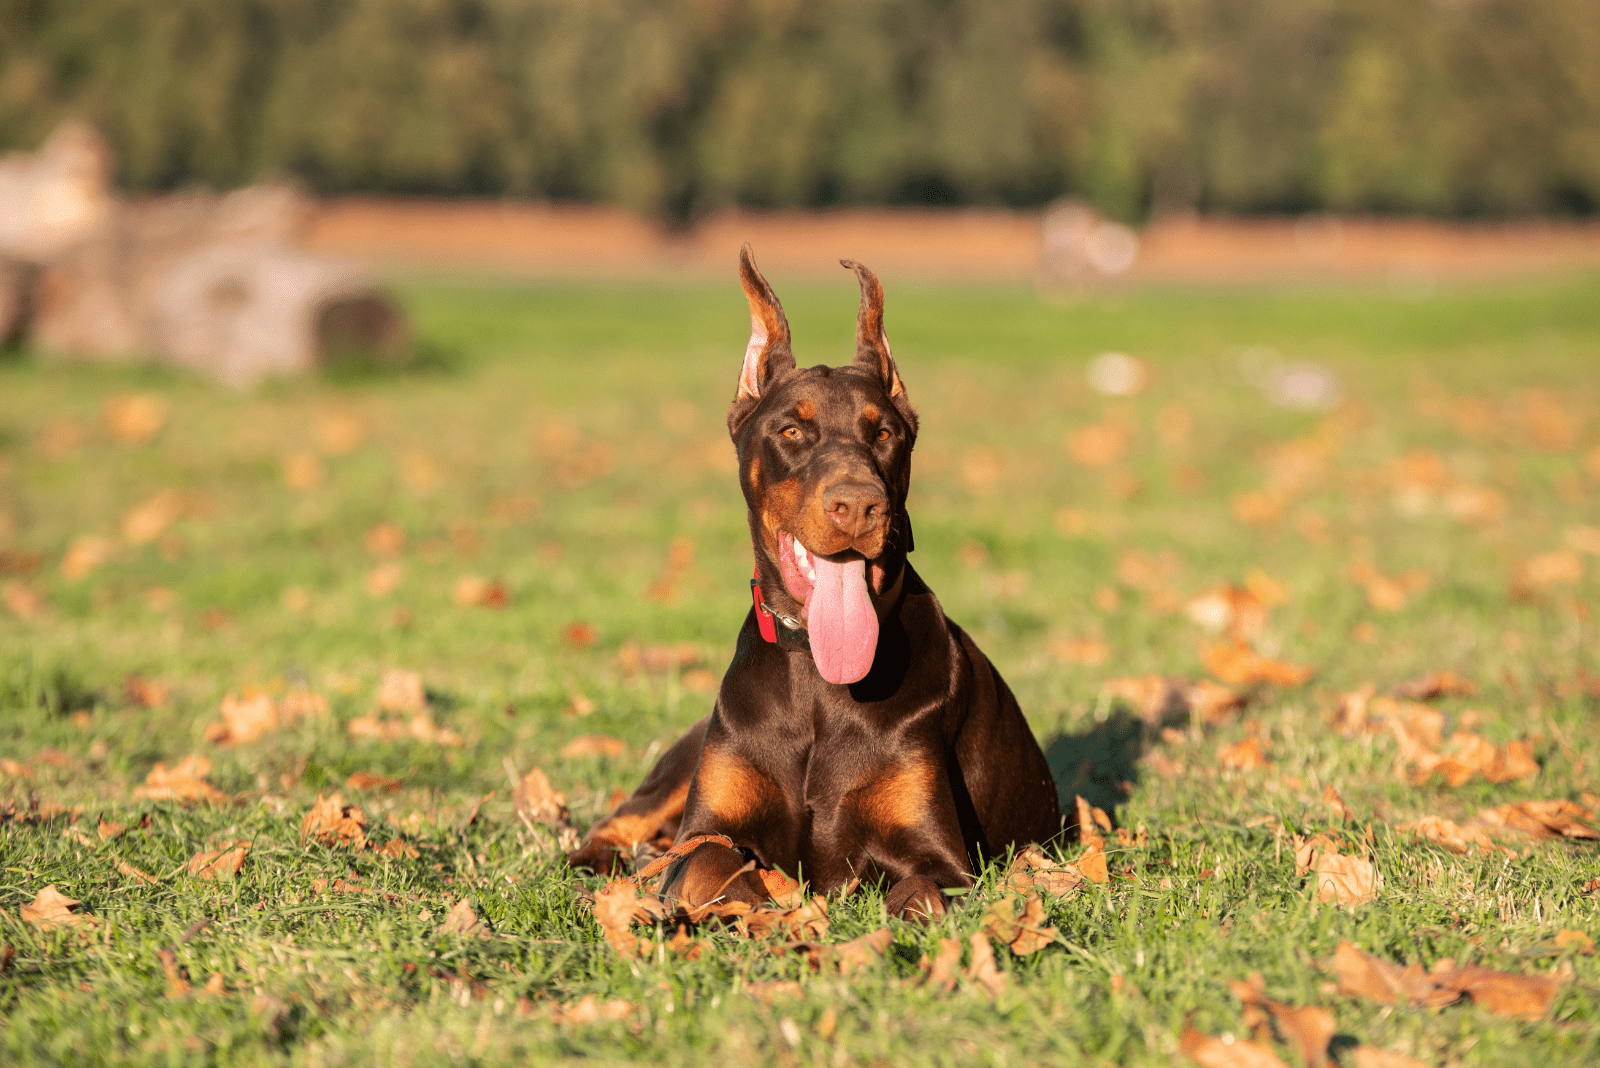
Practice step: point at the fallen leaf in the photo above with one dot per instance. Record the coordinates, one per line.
(51, 908)
(1226, 1052)
(212, 864)
(364, 781)
(1241, 665)
(385, 539)
(1307, 1027)
(108, 830)
(401, 691)
(1092, 864)
(1453, 836)
(134, 418)
(1578, 941)
(590, 1009)
(1024, 934)
(1542, 819)
(183, 782)
(617, 906)
(1247, 755)
(244, 719)
(593, 745)
(580, 635)
(943, 970)
(1032, 868)
(144, 692)
(1468, 755)
(213, 987)
(1234, 609)
(1340, 879)
(21, 600)
(84, 553)
(1364, 975)
(334, 824)
(656, 658)
(1436, 684)
(461, 920)
(177, 975)
(384, 579)
(302, 470)
(1559, 567)
(1097, 445)
(1373, 1057)
(981, 968)
(399, 849)
(146, 522)
(1089, 652)
(1526, 997)
(863, 951)
(533, 798)
(138, 874)
(474, 590)
(1336, 806)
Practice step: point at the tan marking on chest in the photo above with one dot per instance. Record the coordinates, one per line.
(899, 796)
(731, 788)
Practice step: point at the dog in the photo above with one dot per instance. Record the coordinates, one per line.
(858, 732)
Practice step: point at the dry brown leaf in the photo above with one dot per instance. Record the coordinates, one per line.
(461, 920)
(1024, 934)
(302, 470)
(1099, 444)
(134, 418)
(244, 720)
(474, 590)
(593, 745)
(1089, 652)
(51, 908)
(1247, 755)
(1032, 868)
(1151, 696)
(21, 600)
(211, 864)
(1345, 880)
(138, 874)
(183, 782)
(300, 702)
(590, 1009)
(1212, 702)
(177, 975)
(384, 579)
(1373, 1057)
(1092, 864)
(943, 970)
(370, 780)
(580, 635)
(1240, 665)
(1336, 806)
(146, 522)
(213, 987)
(334, 824)
(1309, 1028)
(617, 906)
(1558, 567)
(1470, 755)
(863, 951)
(108, 830)
(399, 849)
(1234, 609)
(1436, 684)
(1578, 941)
(385, 539)
(656, 658)
(401, 691)
(1453, 836)
(1541, 819)
(982, 969)
(1526, 997)
(534, 799)
(84, 553)
(1226, 1052)
(1363, 975)
(146, 693)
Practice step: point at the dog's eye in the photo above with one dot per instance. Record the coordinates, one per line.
(883, 433)
(792, 433)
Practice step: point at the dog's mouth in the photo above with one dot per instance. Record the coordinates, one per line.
(835, 594)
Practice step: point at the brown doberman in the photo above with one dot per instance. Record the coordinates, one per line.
(859, 733)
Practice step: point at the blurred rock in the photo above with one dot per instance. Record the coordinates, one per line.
(53, 198)
(218, 284)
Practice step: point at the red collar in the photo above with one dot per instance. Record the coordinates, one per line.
(764, 620)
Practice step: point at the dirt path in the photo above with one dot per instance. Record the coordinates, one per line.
(578, 240)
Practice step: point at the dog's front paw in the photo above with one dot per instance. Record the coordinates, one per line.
(600, 857)
(915, 898)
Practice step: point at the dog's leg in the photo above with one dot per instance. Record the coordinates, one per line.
(713, 873)
(912, 832)
(654, 808)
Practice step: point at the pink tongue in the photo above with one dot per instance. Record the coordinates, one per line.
(840, 617)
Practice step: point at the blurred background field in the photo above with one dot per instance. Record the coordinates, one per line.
(363, 370)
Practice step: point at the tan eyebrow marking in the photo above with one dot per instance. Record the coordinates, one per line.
(870, 411)
(805, 409)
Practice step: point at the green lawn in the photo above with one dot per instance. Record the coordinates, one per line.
(566, 441)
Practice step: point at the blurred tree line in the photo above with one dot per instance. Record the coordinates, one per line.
(674, 107)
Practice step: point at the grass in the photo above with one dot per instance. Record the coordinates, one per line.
(561, 440)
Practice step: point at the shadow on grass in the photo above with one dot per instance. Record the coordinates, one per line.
(1101, 765)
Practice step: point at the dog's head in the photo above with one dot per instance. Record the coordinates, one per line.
(825, 464)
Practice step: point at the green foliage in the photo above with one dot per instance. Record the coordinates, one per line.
(679, 107)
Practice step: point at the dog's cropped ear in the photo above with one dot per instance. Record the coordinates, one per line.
(872, 343)
(768, 354)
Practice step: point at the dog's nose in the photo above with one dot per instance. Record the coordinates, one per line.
(855, 507)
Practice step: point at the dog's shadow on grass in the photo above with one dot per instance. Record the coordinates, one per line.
(1101, 765)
